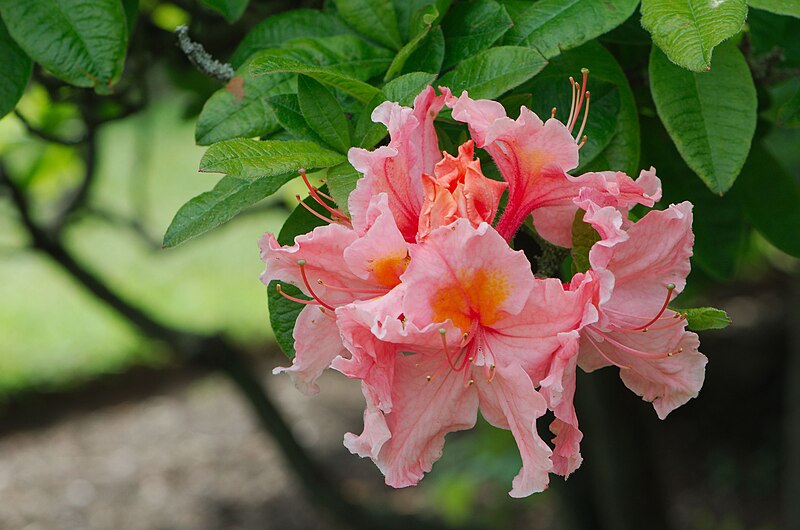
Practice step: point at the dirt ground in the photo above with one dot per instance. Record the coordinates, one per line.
(187, 458)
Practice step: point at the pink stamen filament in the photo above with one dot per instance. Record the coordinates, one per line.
(670, 288)
(641, 354)
(312, 211)
(315, 195)
(348, 290)
(603, 355)
(673, 321)
(585, 116)
(443, 334)
(302, 264)
(572, 104)
(294, 298)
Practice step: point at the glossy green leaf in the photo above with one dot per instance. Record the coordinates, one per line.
(341, 181)
(290, 117)
(770, 197)
(81, 42)
(277, 29)
(705, 318)
(283, 314)
(688, 30)
(552, 26)
(409, 12)
(232, 10)
(780, 7)
(268, 64)
(17, 68)
(405, 53)
(471, 27)
(246, 158)
(218, 206)
(429, 55)
(789, 112)
(494, 71)
(241, 108)
(374, 18)
(710, 117)
(720, 227)
(323, 113)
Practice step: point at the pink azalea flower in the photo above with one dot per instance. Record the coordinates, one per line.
(397, 169)
(641, 268)
(334, 266)
(470, 327)
(533, 156)
(458, 189)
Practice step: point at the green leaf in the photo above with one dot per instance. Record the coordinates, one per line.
(688, 30)
(246, 158)
(789, 112)
(704, 318)
(374, 18)
(780, 7)
(429, 55)
(494, 71)
(81, 42)
(720, 228)
(131, 8)
(341, 181)
(323, 113)
(409, 14)
(770, 196)
(287, 112)
(277, 29)
(552, 26)
(770, 33)
(405, 53)
(583, 237)
(241, 109)
(218, 206)
(283, 314)
(266, 64)
(471, 27)
(232, 10)
(710, 117)
(17, 68)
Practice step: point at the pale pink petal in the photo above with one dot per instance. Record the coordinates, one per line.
(465, 275)
(323, 252)
(558, 389)
(317, 344)
(381, 255)
(368, 444)
(423, 413)
(655, 255)
(511, 402)
(479, 114)
(667, 382)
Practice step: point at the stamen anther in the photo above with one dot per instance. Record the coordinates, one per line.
(301, 263)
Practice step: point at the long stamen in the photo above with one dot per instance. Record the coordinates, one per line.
(670, 288)
(443, 334)
(583, 142)
(348, 290)
(302, 264)
(585, 116)
(641, 354)
(294, 298)
(315, 195)
(553, 113)
(604, 356)
(572, 105)
(675, 320)
(312, 211)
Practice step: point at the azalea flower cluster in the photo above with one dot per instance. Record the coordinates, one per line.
(419, 296)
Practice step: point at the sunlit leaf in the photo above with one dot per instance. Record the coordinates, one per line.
(246, 158)
(17, 68)
(374, 18)
(494, 71)
(471, 27)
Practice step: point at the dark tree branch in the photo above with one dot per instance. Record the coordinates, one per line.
(202, 60)
(46, 136)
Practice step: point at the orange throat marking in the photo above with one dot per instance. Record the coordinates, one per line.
(474, 295)
(388, 269)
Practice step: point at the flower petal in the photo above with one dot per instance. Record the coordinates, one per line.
(511, 402)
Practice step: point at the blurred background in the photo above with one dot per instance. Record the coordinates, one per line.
(134, 381)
